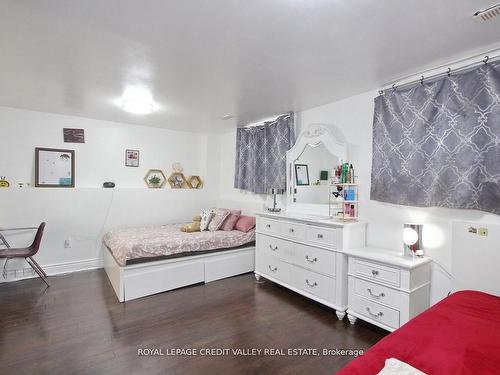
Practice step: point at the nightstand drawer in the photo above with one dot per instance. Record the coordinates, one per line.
(268, 226)
(292, 230)
(275, 247)
(377, 293)
(274, 267)
(375, 311)
(377, 272)
(314, 283)
(323, 236)
(316, 259)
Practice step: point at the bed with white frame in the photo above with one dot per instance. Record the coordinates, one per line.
(143, 279)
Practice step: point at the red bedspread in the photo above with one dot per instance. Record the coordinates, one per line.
(459, 335)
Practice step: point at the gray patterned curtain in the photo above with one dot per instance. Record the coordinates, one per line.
(438, 144)
(261, 154)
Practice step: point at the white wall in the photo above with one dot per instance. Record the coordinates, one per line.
(102, 156)
(352, 118)
(81, 214)
(84, 213)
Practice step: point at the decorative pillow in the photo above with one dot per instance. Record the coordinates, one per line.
(245, 223)
(206, 216)
(231, 220)
(220, 215)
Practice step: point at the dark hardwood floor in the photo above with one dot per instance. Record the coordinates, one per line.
(78, 326)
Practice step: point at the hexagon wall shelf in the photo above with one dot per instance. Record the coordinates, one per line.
(155, 179)
(177, 180)
(195, 182)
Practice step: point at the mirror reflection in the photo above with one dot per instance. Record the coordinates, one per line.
(312, 170)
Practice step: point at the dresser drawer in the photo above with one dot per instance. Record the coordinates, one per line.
(268, 226)
(375, 311)
(377, 272)
(292, 230)
(316, 259)
(323, 236)
(272, 266)
(377, 293)
(275, 247)
(314, 283)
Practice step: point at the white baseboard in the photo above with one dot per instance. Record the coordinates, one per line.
(52, 269)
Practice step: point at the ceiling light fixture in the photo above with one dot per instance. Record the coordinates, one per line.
(137, 99)
(226, 117)
(137, 107)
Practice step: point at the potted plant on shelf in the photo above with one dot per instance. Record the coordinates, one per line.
(155, 178)
(154, 181)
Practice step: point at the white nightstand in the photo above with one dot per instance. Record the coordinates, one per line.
(386, 288)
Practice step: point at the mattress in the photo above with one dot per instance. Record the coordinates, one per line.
(459, 335)
(135, 245)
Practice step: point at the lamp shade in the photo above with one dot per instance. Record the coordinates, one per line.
(412, 238)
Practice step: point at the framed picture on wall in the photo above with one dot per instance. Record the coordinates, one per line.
(131, 158)
(301, 174)
(74, 135)
(54, 167)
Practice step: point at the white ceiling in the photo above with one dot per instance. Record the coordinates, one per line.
(203, 59)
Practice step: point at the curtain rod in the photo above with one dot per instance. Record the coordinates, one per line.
(463, 64)
(283, 116)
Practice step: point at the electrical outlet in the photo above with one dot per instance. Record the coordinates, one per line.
(482, 231)
(67, 243)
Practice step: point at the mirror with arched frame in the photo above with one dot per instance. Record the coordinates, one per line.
(309, 166)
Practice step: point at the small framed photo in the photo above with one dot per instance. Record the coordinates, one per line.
(301, 175)
(131, 158)
(54, 167)
(74, 135)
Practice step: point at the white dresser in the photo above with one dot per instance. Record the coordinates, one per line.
(385, 288)
(305, 255)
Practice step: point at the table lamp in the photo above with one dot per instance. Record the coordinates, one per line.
(274, 192)
(412, 238)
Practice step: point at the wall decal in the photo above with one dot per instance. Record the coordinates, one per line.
(3, 182)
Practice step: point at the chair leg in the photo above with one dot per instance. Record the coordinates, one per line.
(38, 266)
(39, 272)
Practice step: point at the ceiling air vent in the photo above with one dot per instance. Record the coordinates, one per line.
(488, 13)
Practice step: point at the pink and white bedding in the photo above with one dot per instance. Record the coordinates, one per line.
(167, 240)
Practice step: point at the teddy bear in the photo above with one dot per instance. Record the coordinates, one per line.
(192, 227)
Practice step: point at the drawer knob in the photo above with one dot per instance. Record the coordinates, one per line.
(268, 226)
(374, 272)
(311, 260)
(273, 248)
(377, 315)
(320, 236)
(273, 269)
(375, 295)
(312, 285)
(292, 230)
